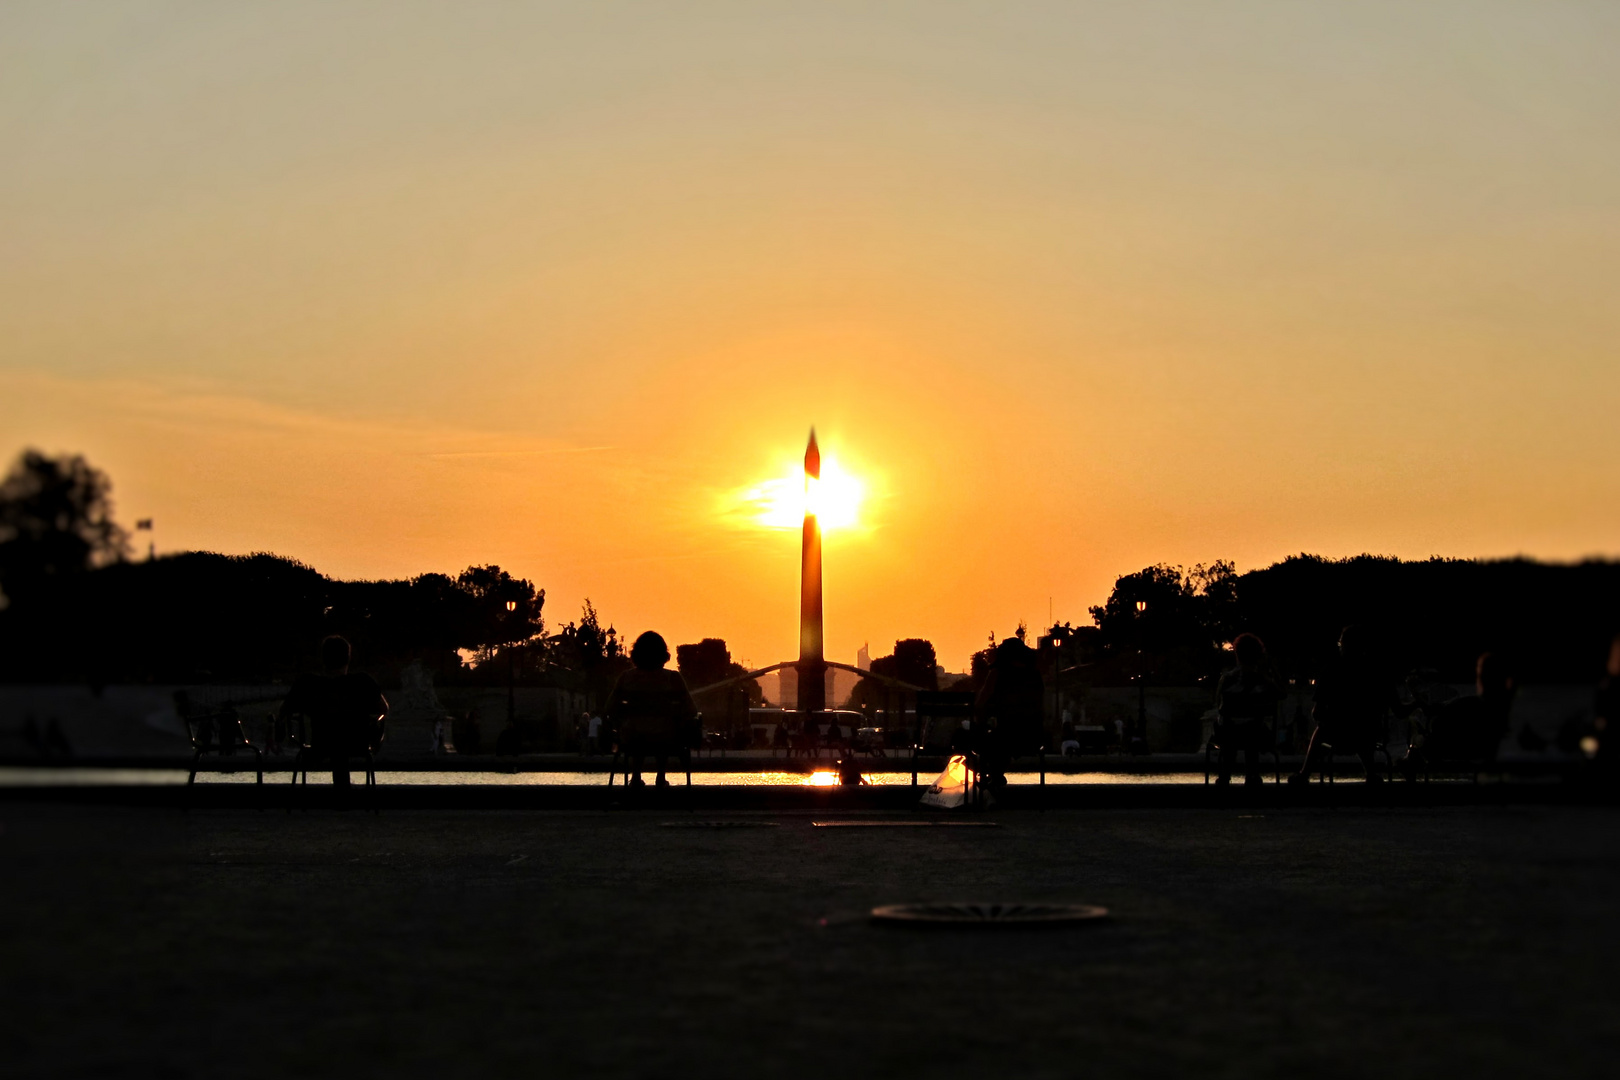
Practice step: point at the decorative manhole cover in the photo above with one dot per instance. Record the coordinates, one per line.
(988, 914)
(905, 824)
(717, 824)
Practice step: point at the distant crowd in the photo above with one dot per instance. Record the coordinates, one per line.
(1354, 701)
(336, 716)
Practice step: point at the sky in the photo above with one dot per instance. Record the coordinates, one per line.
(1071, 288)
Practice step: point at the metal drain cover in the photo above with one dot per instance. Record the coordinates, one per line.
(852, 823)
(987, 914)
(717, 824)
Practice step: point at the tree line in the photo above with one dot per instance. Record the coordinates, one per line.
(1550, 622)
(75, 608)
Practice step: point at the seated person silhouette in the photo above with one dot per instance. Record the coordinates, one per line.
(651, 708)
(1468, 730)
(1353, 699)
(345, 709)
(849, 772)
(1008, 712)
(1246, 701)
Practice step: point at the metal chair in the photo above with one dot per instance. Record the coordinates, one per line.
(1324, 763)
(309, 757)
(683, 758)
(1212, 747)
(975, 787)
(1426, 753)
(218, 733)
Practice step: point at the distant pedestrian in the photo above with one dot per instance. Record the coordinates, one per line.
(344, 709)
(651, 709)
(593, 732)
(1068, 740)
(1246, 705)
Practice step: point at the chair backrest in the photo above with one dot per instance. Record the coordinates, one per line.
(199, 730)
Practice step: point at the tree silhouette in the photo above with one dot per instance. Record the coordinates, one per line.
(913, 661)
(708, 662)
(55, 522)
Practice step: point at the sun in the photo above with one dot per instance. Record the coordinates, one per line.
(781, 503)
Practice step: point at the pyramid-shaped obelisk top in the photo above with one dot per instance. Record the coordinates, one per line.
(812, 458)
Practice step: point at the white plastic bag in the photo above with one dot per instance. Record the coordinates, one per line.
(949, 789)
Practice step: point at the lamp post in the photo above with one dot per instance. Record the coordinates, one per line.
(1141, 682)
(1057, 679)
(511, 680)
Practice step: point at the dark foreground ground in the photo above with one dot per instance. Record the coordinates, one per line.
(1471, 941)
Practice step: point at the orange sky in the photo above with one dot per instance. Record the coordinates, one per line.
(1074, 288)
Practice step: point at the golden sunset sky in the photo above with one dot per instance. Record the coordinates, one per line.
(1073, 288)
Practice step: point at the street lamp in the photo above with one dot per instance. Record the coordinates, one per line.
(1057, 679)
(1140, 741)
(511, 691)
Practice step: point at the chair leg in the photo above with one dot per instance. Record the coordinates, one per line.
(1041, 763)
(195, 757)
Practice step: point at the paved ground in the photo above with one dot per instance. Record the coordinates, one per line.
(1300, 942)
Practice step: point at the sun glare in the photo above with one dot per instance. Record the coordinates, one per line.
(821, 779)
(781, 503)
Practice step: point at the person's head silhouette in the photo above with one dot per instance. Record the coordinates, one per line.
(650, 652)
(1251, 652)
(1012, 653)
(335, 654)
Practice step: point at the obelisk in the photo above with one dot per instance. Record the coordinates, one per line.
(812, 666)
